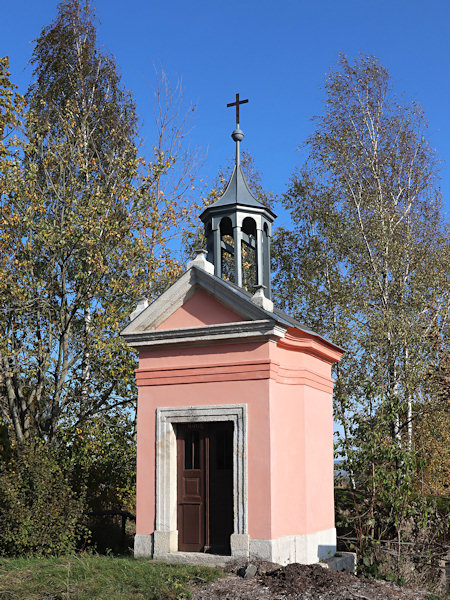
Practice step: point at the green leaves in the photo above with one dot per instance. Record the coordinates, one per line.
(39, 512)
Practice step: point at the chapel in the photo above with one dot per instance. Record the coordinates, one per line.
(234, 413)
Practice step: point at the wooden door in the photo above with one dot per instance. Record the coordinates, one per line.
(191, 487)
(205, 487)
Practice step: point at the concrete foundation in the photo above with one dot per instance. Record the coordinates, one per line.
(305, 549)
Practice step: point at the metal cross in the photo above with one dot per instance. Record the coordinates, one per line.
(236, 104)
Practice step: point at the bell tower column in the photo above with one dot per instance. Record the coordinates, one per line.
(237, 236)
(217, 252)
(259, 258)
(266, 261)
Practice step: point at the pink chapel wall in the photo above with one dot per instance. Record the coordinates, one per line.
(288, 395)
(253, 392)
(301, 410)
(200, 309)
(302, 469)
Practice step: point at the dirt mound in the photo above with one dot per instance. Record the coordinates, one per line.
(301, 582)
(296, 578)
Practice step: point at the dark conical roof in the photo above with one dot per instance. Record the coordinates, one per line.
(236, 193)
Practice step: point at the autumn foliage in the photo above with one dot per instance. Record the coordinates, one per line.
(87, 226)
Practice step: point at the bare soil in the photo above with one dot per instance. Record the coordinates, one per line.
(301, 582)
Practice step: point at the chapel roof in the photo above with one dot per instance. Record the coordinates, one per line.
(257, 322)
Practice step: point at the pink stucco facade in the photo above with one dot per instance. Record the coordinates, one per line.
(287, 388)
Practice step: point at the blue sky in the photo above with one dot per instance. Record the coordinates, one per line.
(274, 53)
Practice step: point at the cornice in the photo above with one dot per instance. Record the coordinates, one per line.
(310, 345)
(247, 331)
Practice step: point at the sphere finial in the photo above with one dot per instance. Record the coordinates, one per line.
(237, 135)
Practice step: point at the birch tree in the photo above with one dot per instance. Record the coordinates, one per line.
(367, 264)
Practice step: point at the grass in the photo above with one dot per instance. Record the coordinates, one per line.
(90, 577)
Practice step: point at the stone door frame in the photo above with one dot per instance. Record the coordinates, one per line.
(165, 538)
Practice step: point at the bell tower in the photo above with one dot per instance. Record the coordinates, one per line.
(238, 228)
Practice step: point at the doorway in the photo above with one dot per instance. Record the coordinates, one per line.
(205, 486)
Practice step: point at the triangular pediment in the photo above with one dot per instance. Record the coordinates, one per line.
(198, 310)
(196, 299)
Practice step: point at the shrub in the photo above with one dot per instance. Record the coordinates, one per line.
(39, 512)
